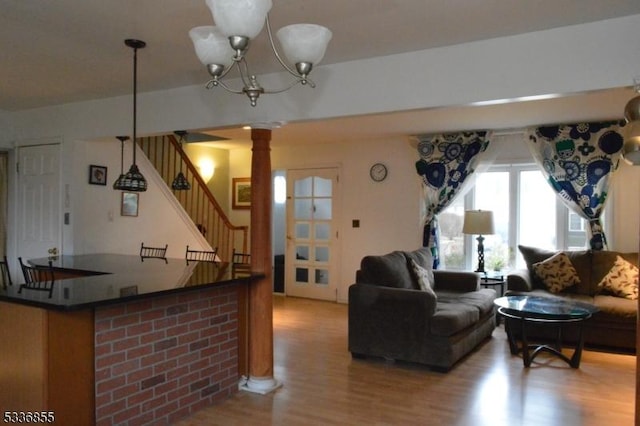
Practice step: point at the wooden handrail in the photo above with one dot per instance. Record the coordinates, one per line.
(165, 154)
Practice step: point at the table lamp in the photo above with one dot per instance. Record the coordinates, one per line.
(478, 222)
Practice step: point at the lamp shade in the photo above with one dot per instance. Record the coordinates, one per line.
(240, 17)
(478, 222)
(304, 42)
(211, 46)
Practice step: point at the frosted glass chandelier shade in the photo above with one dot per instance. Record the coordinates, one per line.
(224, 47)
(304, 42)
(211, 46)
(240, 17)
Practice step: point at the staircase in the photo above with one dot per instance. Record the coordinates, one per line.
(165, 154)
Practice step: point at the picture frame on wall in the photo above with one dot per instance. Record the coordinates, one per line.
(97, 175)
(129, 205)
(241, 193)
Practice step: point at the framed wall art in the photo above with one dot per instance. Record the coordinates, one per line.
(97, 175)
(241, 193)
(129, 204)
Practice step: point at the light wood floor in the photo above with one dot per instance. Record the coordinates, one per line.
(324, 386)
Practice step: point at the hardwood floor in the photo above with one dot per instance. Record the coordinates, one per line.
(322, 385)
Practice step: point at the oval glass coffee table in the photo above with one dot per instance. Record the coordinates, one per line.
(556, 312)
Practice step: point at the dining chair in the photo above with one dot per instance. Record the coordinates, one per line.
(147, 252)
(201, 255)
(240, 263)
(40, 278)
(4, 271)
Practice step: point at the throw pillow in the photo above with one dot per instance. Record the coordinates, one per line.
(557, 273)
(622, 279)
(424, 277)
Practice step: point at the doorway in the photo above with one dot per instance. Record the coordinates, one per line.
(311, 260)
(38, 191)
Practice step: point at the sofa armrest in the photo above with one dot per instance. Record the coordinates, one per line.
(458, 281)
(519, 280)
(387, 321)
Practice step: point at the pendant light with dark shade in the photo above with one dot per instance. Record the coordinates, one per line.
(119, 182)
(133, 180)
(180, 183)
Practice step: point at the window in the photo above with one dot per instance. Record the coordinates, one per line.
(526, 211)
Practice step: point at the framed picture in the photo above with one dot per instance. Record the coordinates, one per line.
(97, 175)
(129, 204)
(241, 190)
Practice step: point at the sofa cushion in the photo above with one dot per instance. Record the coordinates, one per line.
(424, 277)
(481, 299)
(451, 318)
(621, 280)
(557, 272)
(421, 256)
(389, 270)
(602, 262)
(533, 255)
(616, 307)
(581, 261)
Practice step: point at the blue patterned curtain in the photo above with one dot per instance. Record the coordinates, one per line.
(577, 160)
(446, 161)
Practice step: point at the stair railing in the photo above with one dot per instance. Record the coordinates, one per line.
(165, 154)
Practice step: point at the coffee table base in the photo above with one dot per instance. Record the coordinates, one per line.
(530, 351)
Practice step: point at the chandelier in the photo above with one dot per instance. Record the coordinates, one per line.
(221, 47)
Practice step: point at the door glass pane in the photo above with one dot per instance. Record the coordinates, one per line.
(322, 231)
(322, 187)
(537, 213)
(322, 276)
(302, 252)
(302, 231)
(322, 254)
(303, 208)
(302, 275)
(322, 209)
(302, 187)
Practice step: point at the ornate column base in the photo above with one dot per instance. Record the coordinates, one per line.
(261, 385)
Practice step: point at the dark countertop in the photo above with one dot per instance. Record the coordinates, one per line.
(113, 278)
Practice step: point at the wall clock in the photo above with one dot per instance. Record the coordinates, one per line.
(378, 172)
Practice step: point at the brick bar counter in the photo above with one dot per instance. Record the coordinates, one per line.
(126, 341)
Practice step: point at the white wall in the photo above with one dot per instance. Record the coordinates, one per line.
(96, 223)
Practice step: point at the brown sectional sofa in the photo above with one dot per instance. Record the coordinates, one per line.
(391, 318)
(613, 327)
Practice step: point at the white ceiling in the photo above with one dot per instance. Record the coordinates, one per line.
(61, 51)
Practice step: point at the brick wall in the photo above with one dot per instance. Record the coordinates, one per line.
(162, 359)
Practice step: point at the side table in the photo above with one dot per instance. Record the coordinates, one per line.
(493, 279)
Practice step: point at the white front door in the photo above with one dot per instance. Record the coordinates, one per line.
(38, 219)
(312, 233)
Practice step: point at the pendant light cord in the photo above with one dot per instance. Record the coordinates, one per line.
(135, 100)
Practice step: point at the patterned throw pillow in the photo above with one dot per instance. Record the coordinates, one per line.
(621, 280)
(557, 272)
(424, 277)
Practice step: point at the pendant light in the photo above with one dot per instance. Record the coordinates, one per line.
(180, 183)
(133, 180)
(119, 182)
